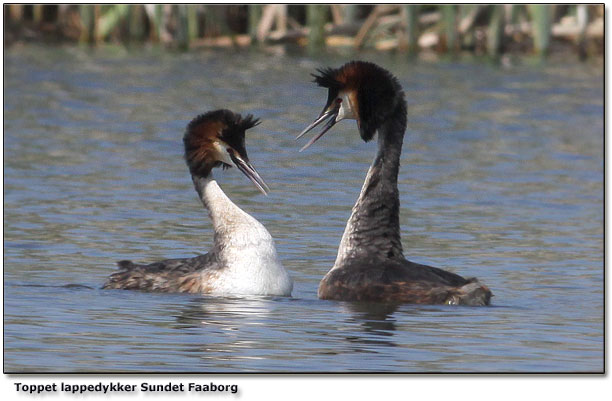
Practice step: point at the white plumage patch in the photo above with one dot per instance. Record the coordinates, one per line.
(348, 106)
(222, 153)
(245, 249)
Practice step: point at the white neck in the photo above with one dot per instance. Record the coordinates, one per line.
(243, 246)
(227, 218)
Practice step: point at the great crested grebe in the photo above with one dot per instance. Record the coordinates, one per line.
(243, 259)
(370, 265)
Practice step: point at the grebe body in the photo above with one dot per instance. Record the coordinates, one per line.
(243, 260)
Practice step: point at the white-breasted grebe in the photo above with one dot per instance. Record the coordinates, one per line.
(243, 260)
(370, 265)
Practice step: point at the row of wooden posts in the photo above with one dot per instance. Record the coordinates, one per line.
(403, 27)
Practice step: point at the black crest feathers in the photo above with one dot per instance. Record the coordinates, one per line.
(225, 117)
(327, 78)
(247, 122)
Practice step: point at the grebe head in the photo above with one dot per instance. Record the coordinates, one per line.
(217, 139)
(358, 90)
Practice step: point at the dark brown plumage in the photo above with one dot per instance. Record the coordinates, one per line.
(370, 265)
(398, 280)
(170, 275)
(206, 131)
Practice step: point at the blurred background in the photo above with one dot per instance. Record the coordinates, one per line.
(502, 177)
(478, 28)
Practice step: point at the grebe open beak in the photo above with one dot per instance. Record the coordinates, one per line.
(330, 115)
(247, 169)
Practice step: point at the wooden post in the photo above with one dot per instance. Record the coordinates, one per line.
(166, 15)
(97, 12)
(254, 17)
(582, 21)
(156, 20)
(182, 36)
(16, 12)
(315, 19)
(449, 20)
(86, 12)
(136, 27)
(411, 13)
(161, 15)
(512, 13)
(62, 10)
(350, 14)
(336, 13)
(541, 26)
(495, 31)
(192, 22)
(281, 19)
(37, 13)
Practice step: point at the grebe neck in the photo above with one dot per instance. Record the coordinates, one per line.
(242, 247)
(373, 230)
(227, 218)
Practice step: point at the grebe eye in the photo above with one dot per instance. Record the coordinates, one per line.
(338, 100)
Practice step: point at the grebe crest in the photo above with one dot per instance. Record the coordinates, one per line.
(243, 260)
(217, 139)
(360, 91)
(370, 264)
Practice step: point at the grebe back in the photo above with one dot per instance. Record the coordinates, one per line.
(243, 259)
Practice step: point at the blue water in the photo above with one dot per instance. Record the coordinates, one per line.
(501, 179)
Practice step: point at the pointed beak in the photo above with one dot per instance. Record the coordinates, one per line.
(330, 115)
(247, 169)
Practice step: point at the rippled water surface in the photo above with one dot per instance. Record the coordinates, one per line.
(501, 178)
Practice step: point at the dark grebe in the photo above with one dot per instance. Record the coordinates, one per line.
(243, 259)
(370, 265)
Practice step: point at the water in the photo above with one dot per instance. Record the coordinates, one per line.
(502, 179)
